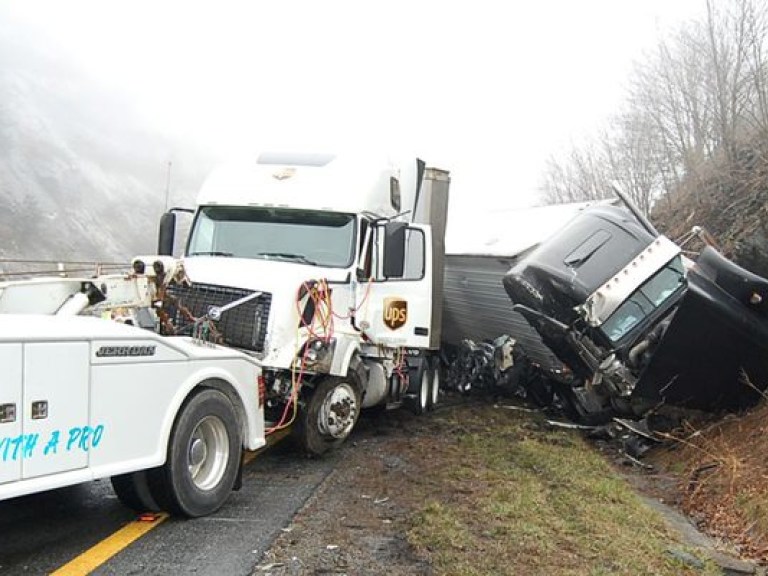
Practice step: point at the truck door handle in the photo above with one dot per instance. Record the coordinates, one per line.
(39, 410)
(7, 413)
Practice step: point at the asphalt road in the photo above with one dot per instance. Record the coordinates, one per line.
(43, 532)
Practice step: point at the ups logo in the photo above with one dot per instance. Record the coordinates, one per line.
(395, 312)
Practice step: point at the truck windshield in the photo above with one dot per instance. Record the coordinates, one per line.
(305, 236)
(643, 301)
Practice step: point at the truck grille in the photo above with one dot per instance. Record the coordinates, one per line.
(244, 326)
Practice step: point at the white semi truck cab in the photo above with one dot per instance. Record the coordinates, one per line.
(326, 268)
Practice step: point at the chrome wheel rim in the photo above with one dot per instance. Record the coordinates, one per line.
(424, 390)
(208, 453)
(435, 385)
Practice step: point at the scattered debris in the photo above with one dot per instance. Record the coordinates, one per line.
(697, 473)
(569, 425)
(269, 566)
(686, 558)
(636, 462)
(518, 408)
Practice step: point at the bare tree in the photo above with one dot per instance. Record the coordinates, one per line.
(580, 176)
(694, 105)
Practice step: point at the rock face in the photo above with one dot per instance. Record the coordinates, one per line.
(730, 202)
(80, 177)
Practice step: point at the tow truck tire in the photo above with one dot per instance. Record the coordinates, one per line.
(203, 457)
(434, 383)
(133, 491)
(327, 415)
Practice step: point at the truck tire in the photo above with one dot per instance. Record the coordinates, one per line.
(418, 402)
(327, 415)
(434, 384)
(203, 457)
(133, 491)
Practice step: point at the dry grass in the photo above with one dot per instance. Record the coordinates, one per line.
(518, 498)
(722, 471)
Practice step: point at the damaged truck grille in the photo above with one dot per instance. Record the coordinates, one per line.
(244, 326)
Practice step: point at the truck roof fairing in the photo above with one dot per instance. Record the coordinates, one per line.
(339, 183)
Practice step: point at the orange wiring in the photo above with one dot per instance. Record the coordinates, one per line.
(323, 317)
(360, 305)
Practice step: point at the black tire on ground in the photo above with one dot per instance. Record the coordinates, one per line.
(327, 415)
(204, 454)
(435, 381)
(133, 491)
(420, 389)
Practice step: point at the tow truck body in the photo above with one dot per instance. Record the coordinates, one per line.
(86, 398)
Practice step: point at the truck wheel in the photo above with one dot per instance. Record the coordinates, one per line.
(434, 385)
(133, 491)
(419, 403)
(203, 457)
(328, 415)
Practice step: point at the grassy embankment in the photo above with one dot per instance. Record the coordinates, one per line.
(516, 497)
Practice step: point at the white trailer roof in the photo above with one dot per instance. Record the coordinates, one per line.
(507, 232)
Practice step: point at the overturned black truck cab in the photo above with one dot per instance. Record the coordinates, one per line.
(638, 324)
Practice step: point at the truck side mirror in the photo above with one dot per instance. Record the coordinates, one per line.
(165, 236)
(394, 249)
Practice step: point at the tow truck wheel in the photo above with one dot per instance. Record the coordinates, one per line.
(328, 415)
(133, 491)
(203, 457)
(434, 385)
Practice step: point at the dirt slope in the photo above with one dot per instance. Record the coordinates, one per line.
(722, 478)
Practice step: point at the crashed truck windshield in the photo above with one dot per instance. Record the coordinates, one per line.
(303, 236)
(643, 301)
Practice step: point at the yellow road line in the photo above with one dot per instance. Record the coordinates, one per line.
(97, 555)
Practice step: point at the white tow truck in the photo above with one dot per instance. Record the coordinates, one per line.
(84, 398)
(310, 288)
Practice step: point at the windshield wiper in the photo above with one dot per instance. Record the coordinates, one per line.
(211, 253)
(287, 256)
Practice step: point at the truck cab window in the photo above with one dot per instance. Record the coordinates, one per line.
(304, 236)
(645, 300)
(414, 254)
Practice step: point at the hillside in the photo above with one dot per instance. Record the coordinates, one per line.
(719, 465)
(730, 200)
(81, 178)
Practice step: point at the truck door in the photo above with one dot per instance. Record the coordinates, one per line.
(10, 411)
(55, 407)
(396, 310)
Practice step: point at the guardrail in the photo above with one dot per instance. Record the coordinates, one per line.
(15, 269)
